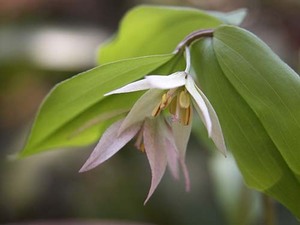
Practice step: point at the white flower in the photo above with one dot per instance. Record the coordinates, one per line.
(181, 94)
(163, 140)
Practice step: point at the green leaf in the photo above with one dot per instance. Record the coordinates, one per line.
(268, 85)
(235, 17)
(148, 30)
(258, 158)
(243, 131)
(76, 112)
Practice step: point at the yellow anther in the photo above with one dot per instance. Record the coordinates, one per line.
(184, 100)
(173, 106)
(185, 115)
(139, 143)
(142, 147)
(156, 110)
(164, 101)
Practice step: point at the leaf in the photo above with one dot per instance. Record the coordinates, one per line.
(148, 30)
(235, 17)
(268, 85)
(258, 158)
(76, 102)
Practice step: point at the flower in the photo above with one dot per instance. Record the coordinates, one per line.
(181, 94)
(161, 135)
(154, 136)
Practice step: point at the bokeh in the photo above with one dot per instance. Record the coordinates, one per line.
(43, 42)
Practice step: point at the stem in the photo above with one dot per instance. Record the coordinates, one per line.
(187, 59)
(269, 211)
(189, 39)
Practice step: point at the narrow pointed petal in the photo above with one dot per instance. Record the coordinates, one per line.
(132, 87)
(181, 135)
(142, 108)
(171, 150)
(185, 174)
(172, 158)
(154, 148)
(109, 144)
(167, 82)
(200, 104)
(216, 134)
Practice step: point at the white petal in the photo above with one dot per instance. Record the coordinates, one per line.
(167, 82)
(109, 144)
(154, 148)
(142, 108)
(132, 87)
(200, 104)
(216, 134)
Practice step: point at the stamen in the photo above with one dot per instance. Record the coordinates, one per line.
(184, 99)
(142, 147)
(156, 111)
(164, 101)
(173, 106)
(139, 143)
(185, 115)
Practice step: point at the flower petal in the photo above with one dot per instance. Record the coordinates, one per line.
(172, 158)
(181, 135)
(132, 87)
(216, 134)
(171, 150)
(109, 144)
(167, 82)
(200, 104)
(142, 108)
(154, 148)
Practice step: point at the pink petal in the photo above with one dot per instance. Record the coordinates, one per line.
(171, 150)
(172, 158)
(142, 108)
(109, 144)
(155, 152)
(167, 82)
(185, 174)
(181, 135)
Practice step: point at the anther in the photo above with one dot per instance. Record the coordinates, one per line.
(184, 99)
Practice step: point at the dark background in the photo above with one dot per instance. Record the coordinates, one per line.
(45, 41)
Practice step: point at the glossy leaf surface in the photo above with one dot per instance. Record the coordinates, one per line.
(267, 84)
(148, 30)
(257, 156)
(70, 112)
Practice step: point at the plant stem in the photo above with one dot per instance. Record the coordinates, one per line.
(189, 39)
(269, 211)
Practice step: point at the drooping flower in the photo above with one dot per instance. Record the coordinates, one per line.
(182, 93)
(162, 134)
(154, 136)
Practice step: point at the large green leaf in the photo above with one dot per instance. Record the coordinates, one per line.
(78, 103)
(267, 84)
(148, 30)
(258, 158)
(235, 17)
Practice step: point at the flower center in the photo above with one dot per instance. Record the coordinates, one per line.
(178, 102)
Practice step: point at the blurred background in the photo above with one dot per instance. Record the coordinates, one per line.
(43, 42)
